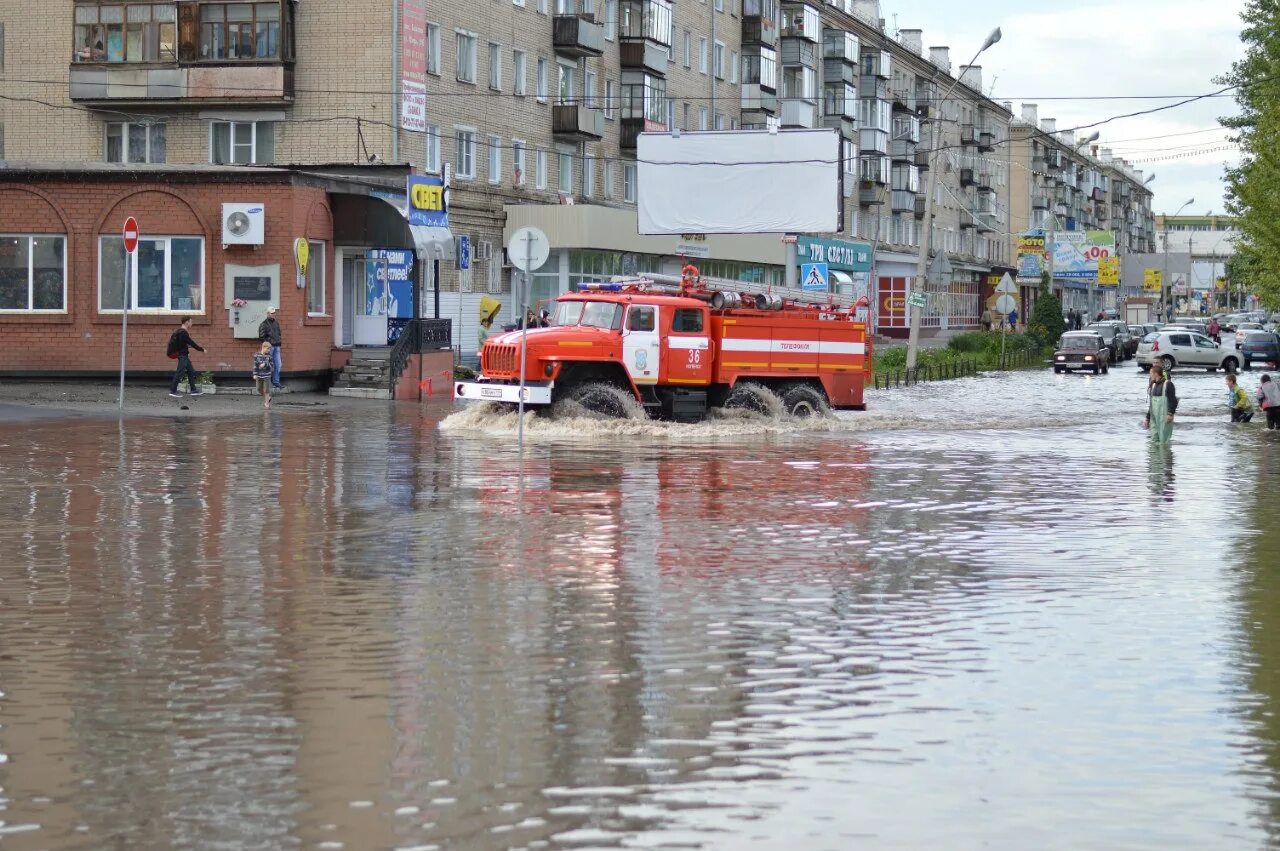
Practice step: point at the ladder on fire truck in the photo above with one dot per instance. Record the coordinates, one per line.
(674, 284)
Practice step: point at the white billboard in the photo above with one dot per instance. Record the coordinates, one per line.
(743, 181)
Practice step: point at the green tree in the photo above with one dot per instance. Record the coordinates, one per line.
(1253, 188)
(1046, 322)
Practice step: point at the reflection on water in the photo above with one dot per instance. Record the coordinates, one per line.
(1017, 631)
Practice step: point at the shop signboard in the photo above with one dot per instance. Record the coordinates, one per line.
(389, 282)
(693, 245)
(1030, 256)
(426, 200)
(413, 58)
(838, 254)
(1076, 253)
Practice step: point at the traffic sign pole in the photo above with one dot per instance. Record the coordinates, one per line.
(528, 250)
(130, 234)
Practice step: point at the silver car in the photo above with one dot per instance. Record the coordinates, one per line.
(1176, 347)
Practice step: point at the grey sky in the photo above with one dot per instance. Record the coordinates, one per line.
(1091, 49)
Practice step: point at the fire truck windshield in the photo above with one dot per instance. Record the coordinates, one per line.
(597, 314)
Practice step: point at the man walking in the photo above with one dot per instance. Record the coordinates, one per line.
(269, 332)
(181, 344)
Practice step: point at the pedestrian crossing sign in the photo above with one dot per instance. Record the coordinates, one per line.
(813, 277)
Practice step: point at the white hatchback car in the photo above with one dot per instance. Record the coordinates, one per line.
(1184, 347)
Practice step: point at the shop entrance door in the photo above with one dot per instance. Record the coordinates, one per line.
(372, 295)
(352, 277)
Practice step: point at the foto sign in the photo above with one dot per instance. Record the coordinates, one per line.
(130, 234)
(427, 205)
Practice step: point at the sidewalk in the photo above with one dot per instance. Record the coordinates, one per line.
(931, 338)
(28, 400)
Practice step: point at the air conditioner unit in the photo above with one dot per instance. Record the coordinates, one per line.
(244, 224)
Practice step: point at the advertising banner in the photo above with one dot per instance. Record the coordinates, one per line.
(388, 282)
(1109, 271)
(1030, 257)
(1152, 280)
(426, 201)
(413, 65)
(1076, 253)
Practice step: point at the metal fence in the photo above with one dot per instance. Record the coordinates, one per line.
(908, 377)
(419, 335)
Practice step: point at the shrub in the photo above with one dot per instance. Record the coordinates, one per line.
(1046, 322)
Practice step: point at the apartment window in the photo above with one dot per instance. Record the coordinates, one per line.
(135, 143)
(1, 45)
(687, 40)
(671, 114)
(315, 278)
(564, 166)
(702, 54)
(610, 98)
(719, 5)
(684, 125)
(609, 177)
(242, 142)
(517, 162)
(733, 66)
(433, 48)
(166, 274)
(466, 57)
(629, 183)
(542, 7)
(238, 30)
(495, 67)
(588, 176)
(610, 19)
(564, 82)
(33, 272)
(541, 81)
(702, 118)
(717, 59)
(540, 169)
(433, 148)
(671, 43)
(517, 72)
(495, 159)
(137, 32)
(465, 161)
(589, 89)
(719, 125)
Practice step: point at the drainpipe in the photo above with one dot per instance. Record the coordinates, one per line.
(712, 57)
(395, 80)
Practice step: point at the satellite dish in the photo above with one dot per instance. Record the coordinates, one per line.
(238, 224)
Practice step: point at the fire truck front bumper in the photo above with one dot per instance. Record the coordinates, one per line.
(535, 392)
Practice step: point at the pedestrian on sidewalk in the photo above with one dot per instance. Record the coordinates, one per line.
(1269, 399)
(1238, 400)
(262, 368)
(1162, 404)
(1013, 319)
(269, 332)
(986, 319)
(181, 344)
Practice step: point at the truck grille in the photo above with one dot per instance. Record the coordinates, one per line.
(500, 359)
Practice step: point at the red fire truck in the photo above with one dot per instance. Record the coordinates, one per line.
(678, 347)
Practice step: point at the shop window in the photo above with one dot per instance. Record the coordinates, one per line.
(126, 32)
(599, 265)
(242, 142)
(239, 31)
(33, 273)
(135, 143)
(166, 274)
(315, 278)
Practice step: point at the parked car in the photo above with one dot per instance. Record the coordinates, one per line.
(1244, 328)
(1195, 323)
(1228, 323)
(1082, 350)
(1112, 336)
(1263, 346)
(1182, 347)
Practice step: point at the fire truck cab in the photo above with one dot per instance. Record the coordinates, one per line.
(677, 350)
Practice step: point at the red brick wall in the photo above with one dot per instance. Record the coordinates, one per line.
(83, 341)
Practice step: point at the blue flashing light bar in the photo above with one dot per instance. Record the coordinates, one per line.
(595, 286)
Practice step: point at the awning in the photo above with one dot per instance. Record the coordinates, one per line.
(433, 243)
(841, 278)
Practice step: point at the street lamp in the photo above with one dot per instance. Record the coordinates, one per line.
(922, 263)
(1165, 291)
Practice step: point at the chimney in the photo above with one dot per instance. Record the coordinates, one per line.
(1008, 105)
(971, 76)
(941, 58)
(1049, 125)
(1067, 139)
(868, 11)
(1031, 114)
(1095, 152)
(912, 40)
(1107, 155)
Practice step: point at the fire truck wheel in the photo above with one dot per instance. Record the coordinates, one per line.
(803, 400)
(749, 396)
(603, 400)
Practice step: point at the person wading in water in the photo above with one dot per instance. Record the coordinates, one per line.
(1162, 404)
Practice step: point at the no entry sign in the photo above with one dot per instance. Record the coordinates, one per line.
(130, 234)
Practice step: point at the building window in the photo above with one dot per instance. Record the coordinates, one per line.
(135, 143)
(540, 168)
(702, 118)
(542, 80)
(564, 82)
(33, 273)
(495, 67)
(671, 42)
(517, 72)
(687, 53)
(495, 159)
(137, 32)
(717, 59)
(610, 98)
(517, 162)
(433, 48)
(167, 274)
(733, 66)
(702, 54)
(629, 183)
(719, 125)
(588, 176)
(589, 89)
(315, 278)
(564, 177)
(542, 7)
(466, 71)
(239, 30)
(609, 177)
(610, 19)
(433, 148)
(684, 125)
(242, 142)
(466, 152)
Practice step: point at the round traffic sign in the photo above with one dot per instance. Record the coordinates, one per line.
(1006, 304)
(528, 249)
(130, 232)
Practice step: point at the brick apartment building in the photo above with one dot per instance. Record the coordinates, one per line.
(534, 106)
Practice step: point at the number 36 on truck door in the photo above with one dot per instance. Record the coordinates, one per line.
(688, 357)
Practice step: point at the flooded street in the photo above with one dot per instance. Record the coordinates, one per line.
(986, 613)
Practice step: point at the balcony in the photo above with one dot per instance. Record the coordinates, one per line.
(873, 87)
(922, 160)
(902, 150)
(872, 196)
(642, 54)
(797, 51)
(967, 177)
(873, 170)
(758, 30)
(902, 201)
(758, 100)
(919, 208)
(123, 85)
(845, 125)
(986, 222)
(835, 71)
(986, 141)
(968, 221)
(840, 45)
(903, 98)
(984, 182)
(968, 135)
(577, 36)
(799, 113)
(575, 123)
(1039, 202)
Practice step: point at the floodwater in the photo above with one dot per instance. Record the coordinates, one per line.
(985, 614)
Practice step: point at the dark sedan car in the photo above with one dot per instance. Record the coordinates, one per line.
(1111, 338)
(1082, 350)
(1259, 346)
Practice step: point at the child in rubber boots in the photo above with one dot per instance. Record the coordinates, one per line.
(262, 373)
(1241, 405)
